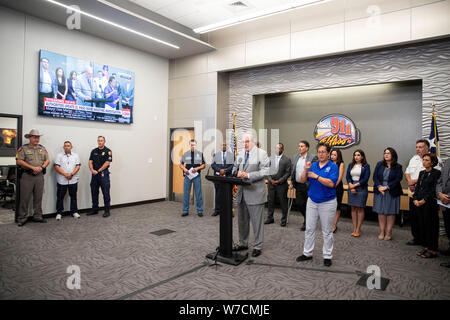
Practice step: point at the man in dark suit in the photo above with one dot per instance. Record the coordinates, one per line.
(280, 170)
(301, 189)
(222, 165)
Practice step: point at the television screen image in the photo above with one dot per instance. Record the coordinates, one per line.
(80, 89)
(8, 142)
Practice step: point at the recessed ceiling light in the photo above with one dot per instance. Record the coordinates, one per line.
(113, 24)
(256, 15)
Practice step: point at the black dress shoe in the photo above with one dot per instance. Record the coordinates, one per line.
(92, 212)
(256, 252)
(216, 213)
(41, 220)
(239, 247)
(283, 224)
(303, 228)
(106, 214)
(20, 224)
(327, 262)
(269, 221)
(303, 258)
(412, 243)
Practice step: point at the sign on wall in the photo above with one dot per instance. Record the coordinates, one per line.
(337, 130)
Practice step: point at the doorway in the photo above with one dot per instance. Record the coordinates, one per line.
(179, 144)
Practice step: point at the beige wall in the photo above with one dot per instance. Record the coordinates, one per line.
(133, 178)
(334, 27)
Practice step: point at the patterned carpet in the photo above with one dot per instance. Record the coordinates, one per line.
(120, 258)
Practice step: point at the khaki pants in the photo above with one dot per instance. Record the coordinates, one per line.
(31, 185)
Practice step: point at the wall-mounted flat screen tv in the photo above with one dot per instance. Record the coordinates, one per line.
(79, 89)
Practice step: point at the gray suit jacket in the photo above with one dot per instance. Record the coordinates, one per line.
(443, 184)
(284, 169)
(258, 165)
(309, 158)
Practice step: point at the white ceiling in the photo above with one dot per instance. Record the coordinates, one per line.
(199, 13)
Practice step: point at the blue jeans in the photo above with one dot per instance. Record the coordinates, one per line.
(197, 181)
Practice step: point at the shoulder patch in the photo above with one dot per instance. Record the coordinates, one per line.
(109, 153)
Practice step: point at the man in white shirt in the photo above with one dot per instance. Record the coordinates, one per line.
(301, 189)
(47, 83)
(412, 174)
(67, 165)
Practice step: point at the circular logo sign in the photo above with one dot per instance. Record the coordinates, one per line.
(337, 131)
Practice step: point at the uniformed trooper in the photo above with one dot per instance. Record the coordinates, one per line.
(33, 159)
(192, 162)
(99, 162)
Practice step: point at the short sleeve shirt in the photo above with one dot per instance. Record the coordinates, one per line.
(192, 159)
(317, 191)
(415, 165)
(34, 156)
(67, 162)
(100, 156)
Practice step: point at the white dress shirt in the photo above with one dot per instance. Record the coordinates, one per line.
(300, 167)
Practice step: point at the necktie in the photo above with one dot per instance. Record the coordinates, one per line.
(224, 158)
(246, 158)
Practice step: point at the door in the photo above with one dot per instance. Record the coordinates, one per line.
(179, 144)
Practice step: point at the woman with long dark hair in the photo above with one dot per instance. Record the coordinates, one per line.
(336, 157)
(426, 208)
(61, 83)
(387, 191)
(358, 174)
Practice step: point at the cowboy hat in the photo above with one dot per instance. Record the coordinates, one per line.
(33, 132)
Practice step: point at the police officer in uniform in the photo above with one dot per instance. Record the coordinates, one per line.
(33, 159)
(99, 162)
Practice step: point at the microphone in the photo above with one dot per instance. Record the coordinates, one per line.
(234, 174)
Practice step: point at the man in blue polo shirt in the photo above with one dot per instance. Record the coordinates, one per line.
(322, 176)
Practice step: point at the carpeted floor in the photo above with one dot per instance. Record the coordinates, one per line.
(119, 258)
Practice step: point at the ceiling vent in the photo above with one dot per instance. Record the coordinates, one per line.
(238, 6)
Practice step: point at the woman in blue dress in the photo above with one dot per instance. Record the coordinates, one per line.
(358, 174)
(387, 191)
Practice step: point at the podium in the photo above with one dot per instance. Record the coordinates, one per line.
(226, 254)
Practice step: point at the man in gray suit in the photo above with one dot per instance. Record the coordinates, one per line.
(280, 170)
(301, 189)
(443, 194)
(251, 163)
(222, 165)
(86, 87)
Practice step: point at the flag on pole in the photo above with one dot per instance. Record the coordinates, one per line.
(233, 137)
(233, 146)
(434, 136)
